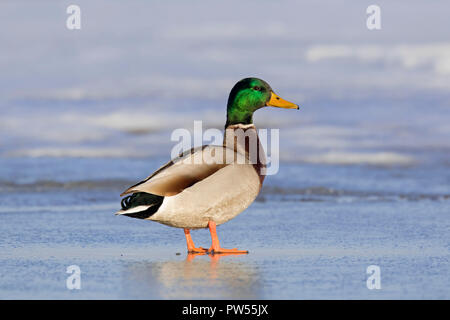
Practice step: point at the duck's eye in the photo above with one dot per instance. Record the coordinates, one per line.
(257, 88)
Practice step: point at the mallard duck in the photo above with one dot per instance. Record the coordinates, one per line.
(193, 191)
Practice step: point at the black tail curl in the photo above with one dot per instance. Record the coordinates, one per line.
(142, 199)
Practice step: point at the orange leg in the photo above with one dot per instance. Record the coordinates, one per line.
(215, 246)
(190, 244)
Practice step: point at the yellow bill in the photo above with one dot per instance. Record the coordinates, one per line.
(276, 101)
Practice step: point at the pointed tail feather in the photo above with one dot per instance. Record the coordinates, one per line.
(140, 205)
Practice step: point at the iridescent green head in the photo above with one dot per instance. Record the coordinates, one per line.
(249, 95)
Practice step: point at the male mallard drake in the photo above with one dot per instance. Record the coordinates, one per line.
(196, 190)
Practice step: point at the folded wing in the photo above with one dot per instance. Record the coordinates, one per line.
(186, 170)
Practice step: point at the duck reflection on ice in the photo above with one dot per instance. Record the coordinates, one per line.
(204, 277)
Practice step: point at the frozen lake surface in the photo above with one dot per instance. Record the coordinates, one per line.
(305, 241)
